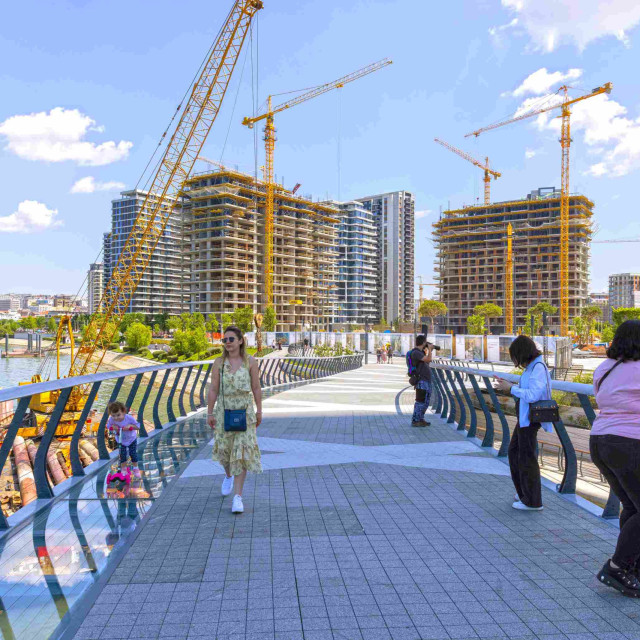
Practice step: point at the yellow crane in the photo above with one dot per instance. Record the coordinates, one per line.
(565, 142)
(195, 122)
(508, 289)
(488, 172)
(269, 146)
(421, 285)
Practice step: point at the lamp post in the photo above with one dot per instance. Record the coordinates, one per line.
(366, 340)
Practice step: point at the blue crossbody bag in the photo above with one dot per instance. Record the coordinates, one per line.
(234, 419)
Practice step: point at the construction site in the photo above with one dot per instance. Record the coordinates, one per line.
(473, 257)
(226, 241)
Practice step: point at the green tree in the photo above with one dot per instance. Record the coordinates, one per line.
(432, 309)
(227, 320)
(174, 323)
(28, 323)
(108, 334)
(52, 326)
(137, 335)
(41, 322)
(475, 324)
(243, 318)
(590, 314)
(212, 324)
(580, 328)
(395, 325)
(488, 310)
(383, 321)
(189, 342)
(607, 333)
(129, 319)
(157, 329)
(622, 314)
(269, 320)
(161, 319)
(536, 312)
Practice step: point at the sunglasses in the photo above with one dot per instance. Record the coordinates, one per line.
(225, 340)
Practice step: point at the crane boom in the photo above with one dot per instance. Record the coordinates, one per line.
(488, 173)
(181, 153)
(269, 146)
(565, 142)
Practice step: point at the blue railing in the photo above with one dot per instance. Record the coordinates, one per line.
(465, 397)
(170, 391)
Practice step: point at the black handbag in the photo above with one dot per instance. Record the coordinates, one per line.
(544, 410)
(234, 419)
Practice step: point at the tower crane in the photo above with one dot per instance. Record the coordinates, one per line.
(215, 163)
(488, 172)
(421, 285)
(508, 290)
(269, 146)
(182, 150)
(565, 142)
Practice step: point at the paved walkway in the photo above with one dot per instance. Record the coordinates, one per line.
(361, 527)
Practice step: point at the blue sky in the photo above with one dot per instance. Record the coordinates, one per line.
(88, 87)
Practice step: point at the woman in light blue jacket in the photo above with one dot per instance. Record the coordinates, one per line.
(535, 385)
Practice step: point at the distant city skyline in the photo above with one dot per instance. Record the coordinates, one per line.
(83, 109)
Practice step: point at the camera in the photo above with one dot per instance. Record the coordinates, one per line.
(435, 347)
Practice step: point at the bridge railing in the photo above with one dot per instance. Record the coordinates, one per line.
(465, 397)
(158, 394)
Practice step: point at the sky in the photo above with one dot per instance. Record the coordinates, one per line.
(89, 86)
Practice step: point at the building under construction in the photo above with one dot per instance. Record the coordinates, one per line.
(224, 240)
(472, 257)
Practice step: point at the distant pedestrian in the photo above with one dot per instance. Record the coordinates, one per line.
(390, 354)
(236, 384)
(535, 385)
(615, 450)
(383, 353)
(378, 355)
(420, 374)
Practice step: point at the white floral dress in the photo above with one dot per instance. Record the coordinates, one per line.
(237, 450)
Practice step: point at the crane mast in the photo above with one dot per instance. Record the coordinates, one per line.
(181, 153)
(565, 143)
(488, 172)
(269, 148)
(508, 291)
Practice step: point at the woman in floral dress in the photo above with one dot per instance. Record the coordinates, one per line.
(236, 451)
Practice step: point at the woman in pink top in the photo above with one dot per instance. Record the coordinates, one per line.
(615, 450)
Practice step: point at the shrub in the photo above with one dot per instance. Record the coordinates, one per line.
(145, 353)
(173, 358)
(181, 359)
(214, 351)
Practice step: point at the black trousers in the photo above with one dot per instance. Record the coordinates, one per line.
(523, 462)
(618, 460)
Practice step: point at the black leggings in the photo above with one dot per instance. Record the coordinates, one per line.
(618, 460)
(523, 463)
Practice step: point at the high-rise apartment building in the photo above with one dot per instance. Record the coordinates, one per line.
(356, 286)
(394, 215)
(9, 302)
(224, 236)
(601, 300)
(95, 286)
(160, 289)
(472, 252)
(624, 290)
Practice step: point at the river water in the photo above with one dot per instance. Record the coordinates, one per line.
(16, 370)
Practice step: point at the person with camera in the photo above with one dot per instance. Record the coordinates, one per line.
(420, 377)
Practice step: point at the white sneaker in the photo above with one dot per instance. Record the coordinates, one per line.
(523, 507)
(237, 506)
(227, 485)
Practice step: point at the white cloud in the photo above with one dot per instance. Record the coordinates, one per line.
(90, 185)
(530, 153)
(541, 81)
(606, 129)
(30, 217)
(423, 214)
(58, 136)
(550, 23)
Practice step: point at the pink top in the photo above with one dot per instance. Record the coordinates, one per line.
(125, 438)
(618, 400)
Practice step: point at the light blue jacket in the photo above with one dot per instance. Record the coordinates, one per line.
(535, 383)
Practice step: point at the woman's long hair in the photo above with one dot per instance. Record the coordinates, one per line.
(626, 343)
(243, 345)
(523, 351)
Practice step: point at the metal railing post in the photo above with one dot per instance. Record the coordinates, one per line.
(438, 402)
(473, 421)
(170, 413)
(134, 389)
(488, 420)
(74, 447)
(506, 434)
(203, 388)
(181, 408)
(143, 405)
(463, 413)
(192, 403)
(43, 490)
(443, 393)
(157, 423)
(568, 484)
